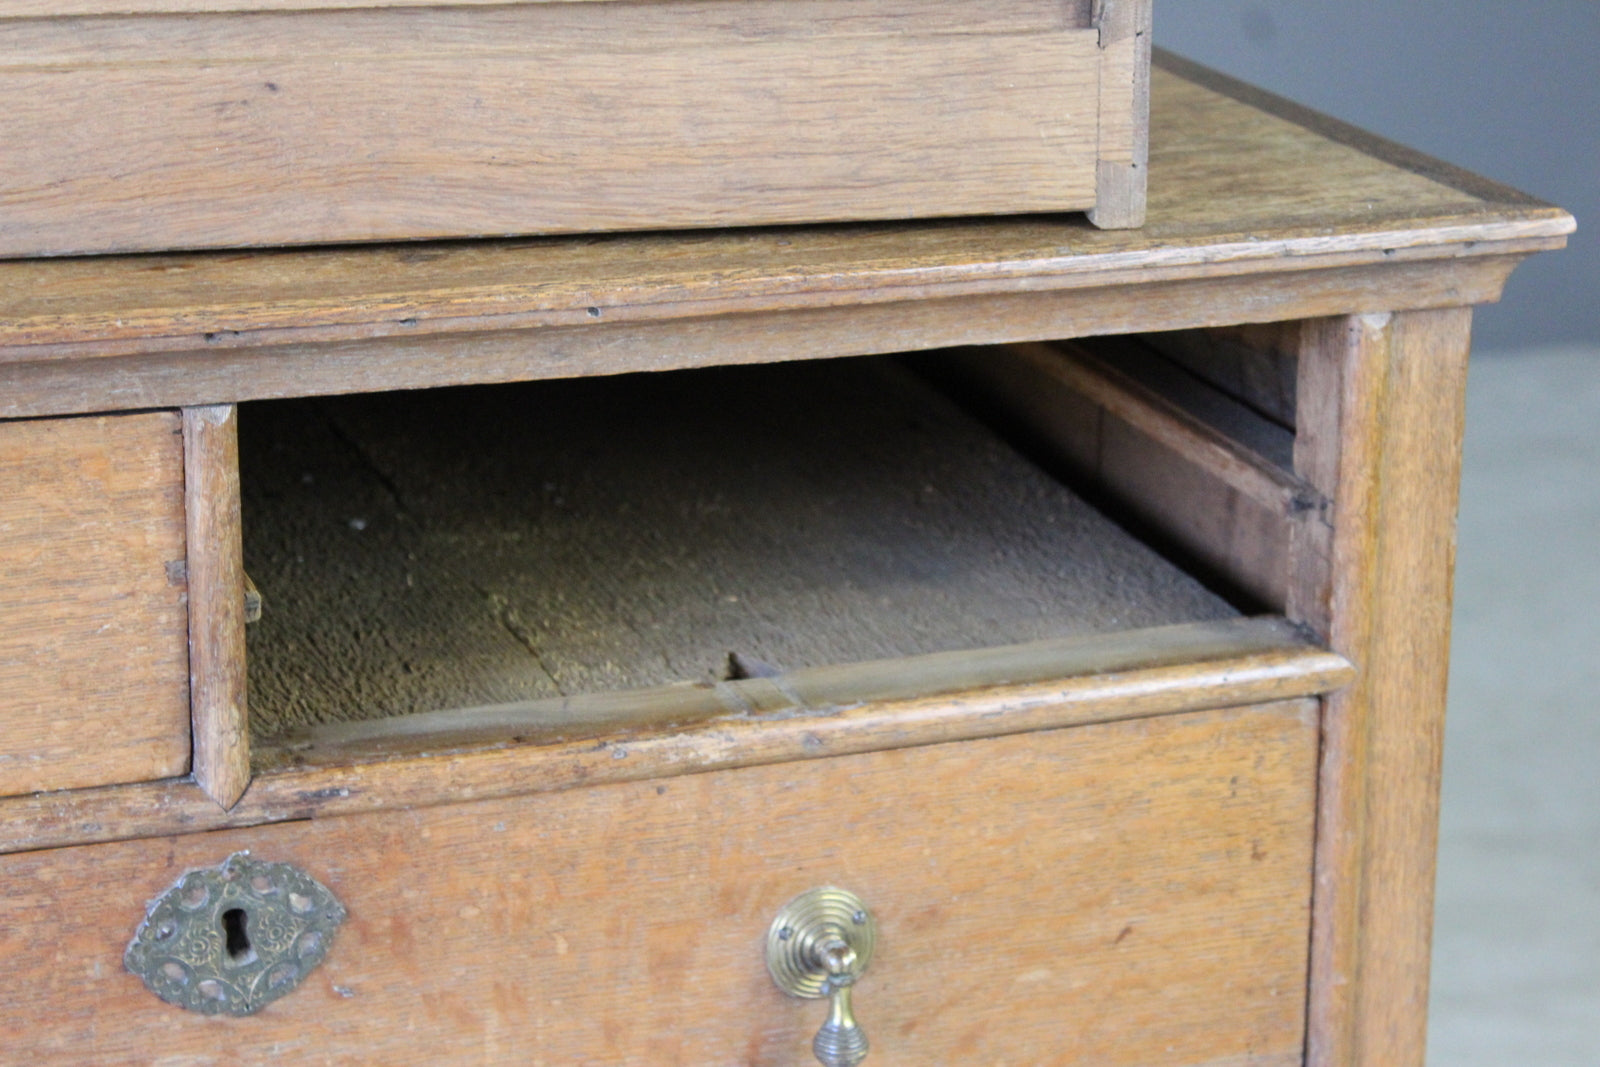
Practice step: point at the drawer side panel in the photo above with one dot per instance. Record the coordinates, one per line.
(93, 621)
(1128, 893)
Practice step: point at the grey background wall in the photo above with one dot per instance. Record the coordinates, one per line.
(1511, 91)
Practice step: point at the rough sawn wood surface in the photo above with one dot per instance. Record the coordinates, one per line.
(426, 551)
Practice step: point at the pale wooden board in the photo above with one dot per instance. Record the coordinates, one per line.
(93, 627)
(1234, 190)
(1388, 445)
(1256, 365)
(48, 8)
(228, 130)
(1123, 165)
(516, 750)
(235, 368)
(751, 12)
(1223, 533)
(351, 31)
(1134, 893)
(572, 537)
(1190, 469)
(220, 728)
(1228, 406)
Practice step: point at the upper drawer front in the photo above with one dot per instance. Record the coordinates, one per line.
(261, 127)
(93, 624)
(1130, 893)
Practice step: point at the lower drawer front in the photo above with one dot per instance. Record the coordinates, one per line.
(1128, 893)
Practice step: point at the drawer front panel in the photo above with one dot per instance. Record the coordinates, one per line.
(93, 624)
(1129, 893)
(252, 128)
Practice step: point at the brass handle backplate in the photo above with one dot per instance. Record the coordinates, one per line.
(817, 946)
(233, 938)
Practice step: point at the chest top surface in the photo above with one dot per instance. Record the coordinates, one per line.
(1242, 184)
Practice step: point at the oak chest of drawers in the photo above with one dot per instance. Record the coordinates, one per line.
(564, 688)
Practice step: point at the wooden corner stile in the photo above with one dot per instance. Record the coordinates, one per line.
(1124, 142)
(1399, 383)
(216, 603)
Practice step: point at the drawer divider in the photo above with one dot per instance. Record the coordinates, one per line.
(216, 603)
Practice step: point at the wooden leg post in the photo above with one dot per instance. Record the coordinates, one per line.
(1392, 389)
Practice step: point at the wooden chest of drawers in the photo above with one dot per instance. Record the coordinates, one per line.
(564, 689)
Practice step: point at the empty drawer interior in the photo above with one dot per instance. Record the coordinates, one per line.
(480, 546)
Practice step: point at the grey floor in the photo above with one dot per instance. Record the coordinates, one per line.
(1516, 964)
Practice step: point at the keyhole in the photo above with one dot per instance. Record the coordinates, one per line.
(238, 938)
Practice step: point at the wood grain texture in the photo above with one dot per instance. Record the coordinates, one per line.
(561, 538)
(352, 32)
(1340, 132)
(1122, 167)
(1234, 192)
(1203, 492)
(1238, 544)
(92, 621)
(47, 8)
(686, 729)
(1255, 364)
(217, 685)
(1103, 375)
(1399, 409)
(1319, 354)
(236, 368)
(1129, 894)
(383, 124)
(899, 702)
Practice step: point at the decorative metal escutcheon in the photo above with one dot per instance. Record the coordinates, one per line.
(817, 946)
(233, 938)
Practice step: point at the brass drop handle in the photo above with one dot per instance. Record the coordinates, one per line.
(818, 946)
(840, 1042)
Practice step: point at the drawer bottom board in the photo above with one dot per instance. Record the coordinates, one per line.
(1127, 893)
(585, 536)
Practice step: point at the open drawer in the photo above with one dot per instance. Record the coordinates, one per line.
(618, 578)
(600, 560)
(572, 556)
